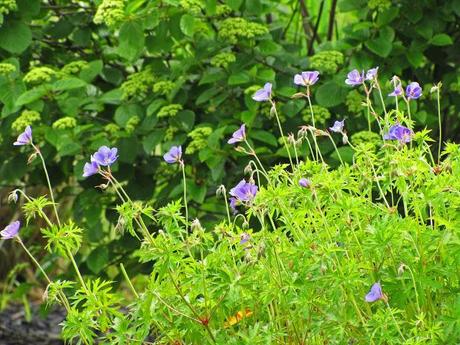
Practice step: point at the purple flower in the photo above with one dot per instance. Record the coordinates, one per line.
(398, 91)
(375, 293)
(338, 126)
(306, 78)
(263, 94)
(90, 168)
(304, 182)
(244, 191)
(10, 231)
(238, 135)
(174, 155)
(106, 156)
(372, 73)
(245, 237)
(355, 78)
(400, 133)
(413, 90)
(233, 203)
(24, 138)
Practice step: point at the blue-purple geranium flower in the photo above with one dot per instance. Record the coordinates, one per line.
(24, 138)
(397, 91)
(413, 90)
(105, 156)
(174, 155)
(245, 237)
(400, 133)
(244, 191)
(264, 94)
(233, 203)
(304, 182)
(338, 126)
(238, 136)
(372, 73)
(375, 293)
(10, 231)
(306, 78)
(90, 168)
(355, 78)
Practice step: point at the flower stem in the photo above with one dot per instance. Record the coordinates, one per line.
(282, 133)
(336, 149)
(313, 123)
(438, 96)
(75, 266)
(64, 300)
(48, 181)
(185, 194)
(130, 284)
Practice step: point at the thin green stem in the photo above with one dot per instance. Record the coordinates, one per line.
(75, 266)
(394, 320)
(336, 149)
(313, 122)
(64, 300)
(48, 181)
(128, 281)
(282, 133)
(381, 97)
(227, 206)
(438, 96)
(185, 194)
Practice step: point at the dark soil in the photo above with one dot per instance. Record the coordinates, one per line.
(41, 330)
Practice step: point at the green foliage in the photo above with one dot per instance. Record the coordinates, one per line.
(63, 239)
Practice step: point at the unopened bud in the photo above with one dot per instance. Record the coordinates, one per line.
(13, 197)
(298, 95)
(32, 157)
(344, 138)
(196, 225)
(103, 186)
(248, 169)
(401, 269)
(220, 190)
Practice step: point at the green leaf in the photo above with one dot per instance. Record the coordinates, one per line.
(265, 137)
(207, 95)
(330, 94)
(185, 119)
(211, 76)
(31, 95)
(234, 4)
(239, 78)
(380, 46)
(97, 259)
(187, 24)
(68, 84)
(126, 111)
(91, 71)
(152, 140)
(131, 40)
(15, 36)
(441, 40)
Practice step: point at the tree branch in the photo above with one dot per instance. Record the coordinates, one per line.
(330, 29)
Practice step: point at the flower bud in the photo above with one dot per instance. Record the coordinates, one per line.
(32, 157)
(13, 197)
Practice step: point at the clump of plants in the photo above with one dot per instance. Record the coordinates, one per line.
(366, 253)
